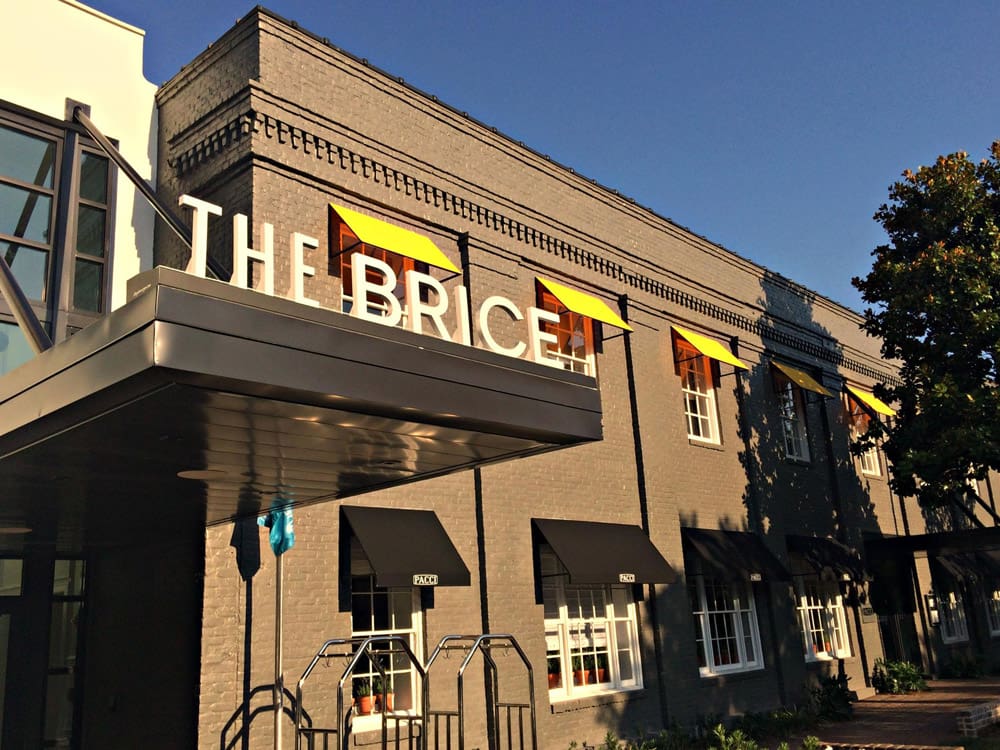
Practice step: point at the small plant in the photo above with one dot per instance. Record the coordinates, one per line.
(831, 700)
(897, 677)
(810, 743)
(735, 740)
(362, 688)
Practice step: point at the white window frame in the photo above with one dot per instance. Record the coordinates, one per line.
(991, 599)
(792, 407)
(608, 631)
(821, 615)
(951, 613)
(360, 566)
(737, 618)
(701, 412)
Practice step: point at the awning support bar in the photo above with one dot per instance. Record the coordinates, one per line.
(172, 220)
(26, 319)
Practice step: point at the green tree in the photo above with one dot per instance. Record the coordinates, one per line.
(934, 293)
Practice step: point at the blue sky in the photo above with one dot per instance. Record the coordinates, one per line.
(771, 128)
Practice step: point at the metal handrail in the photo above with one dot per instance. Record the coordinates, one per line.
(484, 643)
(361, 647)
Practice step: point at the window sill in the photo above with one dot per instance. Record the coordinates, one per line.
(559, 705)
(826, 658)
(705, 444)
(730, 673)
(797, 461)
(876, 477)
(954, 641)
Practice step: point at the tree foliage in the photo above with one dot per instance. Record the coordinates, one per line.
(934, 290)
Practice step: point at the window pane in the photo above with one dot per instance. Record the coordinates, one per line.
(29, 266)
(62, 642)
(14, 348)
(88, 286)
(10, 580)
(26, 158)
(90, 231)
(93, 178)
(25, 213)
(68, 579)
(59, 710)
(4, 649)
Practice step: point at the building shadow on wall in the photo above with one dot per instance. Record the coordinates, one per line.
(802, 482)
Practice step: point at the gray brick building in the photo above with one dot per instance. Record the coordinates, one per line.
(708, 556)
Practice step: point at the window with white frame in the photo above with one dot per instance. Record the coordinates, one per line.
(821, 614)
(792, 407)
(991, 596)
(951, 610)
(725, 626)
(860, 421)
(591, 636)
(376, 610)
(698, 387)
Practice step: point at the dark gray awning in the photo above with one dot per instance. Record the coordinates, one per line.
(604, 552)
(258, 396)
(406, 547)
(730, 555)
(828, 557)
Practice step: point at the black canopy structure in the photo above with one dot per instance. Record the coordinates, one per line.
(828, 557)
(198, 401)
(730, 555)
(602, 553)
(406, 547)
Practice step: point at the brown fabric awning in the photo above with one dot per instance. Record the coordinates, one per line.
(730, 555)
(602, 553)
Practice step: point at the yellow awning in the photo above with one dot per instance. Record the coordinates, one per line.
(871, 402)
(708, 347)
(584, 304)
(802, 379)
(377, 233)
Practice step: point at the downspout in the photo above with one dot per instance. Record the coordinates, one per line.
(640, 473)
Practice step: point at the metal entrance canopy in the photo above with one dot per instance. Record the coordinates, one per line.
(257, 396)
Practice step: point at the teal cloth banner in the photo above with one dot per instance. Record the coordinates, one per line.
(279, 521)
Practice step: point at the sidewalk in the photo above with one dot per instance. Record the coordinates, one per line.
(915, 720)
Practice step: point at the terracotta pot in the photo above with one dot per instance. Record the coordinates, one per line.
(364, 704)
(388, 702)
(555, 680)
(580, 676)
(602, 675)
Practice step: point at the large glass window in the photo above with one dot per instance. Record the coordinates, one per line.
(574, 346)
(698, 387)
(725, 626)
(376, 610)
(792, 407)
(61, 683)
(591, 637)
(55, 225)
(821, 614)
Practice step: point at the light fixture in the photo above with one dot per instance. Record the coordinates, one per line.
(202, 474)
(14, 529)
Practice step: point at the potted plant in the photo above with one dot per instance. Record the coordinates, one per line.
(579, 673)
(589, 666)
(383, 694)
(555, 672)
(602, 667)
(363, 696)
